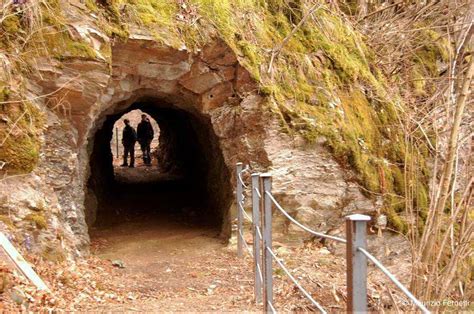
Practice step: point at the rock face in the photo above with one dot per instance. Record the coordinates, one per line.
(311, 184)
(52, 205)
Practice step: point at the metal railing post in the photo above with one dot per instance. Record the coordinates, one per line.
(238, 194)
(256, 238)
(267, 242)
(356, 230)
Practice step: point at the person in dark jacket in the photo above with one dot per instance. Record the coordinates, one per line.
(129, 137)
(145, 136)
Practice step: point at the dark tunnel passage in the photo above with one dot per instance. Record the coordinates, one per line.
(193, 183)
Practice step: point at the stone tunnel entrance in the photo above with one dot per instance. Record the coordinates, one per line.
(209, 115)
(191, 182)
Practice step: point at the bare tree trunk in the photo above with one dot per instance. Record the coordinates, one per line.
(434, 238)
(451, 154)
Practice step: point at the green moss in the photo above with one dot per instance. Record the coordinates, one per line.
(433, 49)
(92, 5)
(156, 12)
(54, 37)
(60, 45)
(4, 92)
(356, 141)
(81, 49)
(114, 30)
(51, 13)
(395, 207)
(11, 24)
(398, 181)
(418, 82)
(421, 201)
(39, 219)
(251, 57)
(20, 149)
(158, 16)
(20, 154)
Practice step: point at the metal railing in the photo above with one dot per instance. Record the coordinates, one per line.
(263, 255)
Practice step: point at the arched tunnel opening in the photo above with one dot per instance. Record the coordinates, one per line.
(141, 160)
(192, 182)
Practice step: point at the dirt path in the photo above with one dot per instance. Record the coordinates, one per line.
(174, 261)
(174, 266)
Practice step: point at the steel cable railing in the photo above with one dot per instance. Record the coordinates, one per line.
(319, 234)
(240, 230)
(272, 308)
(240, 209)
(239, 175)
(367, 254)
(280, 262)
(297, 284)
(356, 256)
(257, 192)
(246, 244)
(394, 280)
(258, 238)
(259, 233)
(259, 272)
(246, 215)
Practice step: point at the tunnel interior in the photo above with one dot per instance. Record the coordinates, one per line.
(193, 182)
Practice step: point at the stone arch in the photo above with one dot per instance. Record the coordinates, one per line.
(210, 88)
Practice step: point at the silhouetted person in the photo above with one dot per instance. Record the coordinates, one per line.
(145, 136)
(129, 137)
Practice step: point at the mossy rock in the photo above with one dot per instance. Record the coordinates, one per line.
(11, 24)
(20, 144)
(394, 210)
(434, 49)
(38, 219)
(60, 45)
(20, 153)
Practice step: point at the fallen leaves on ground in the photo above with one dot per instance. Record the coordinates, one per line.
(220, 281)
(71, 285)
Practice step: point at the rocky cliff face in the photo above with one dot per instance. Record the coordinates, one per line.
(212, 86)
